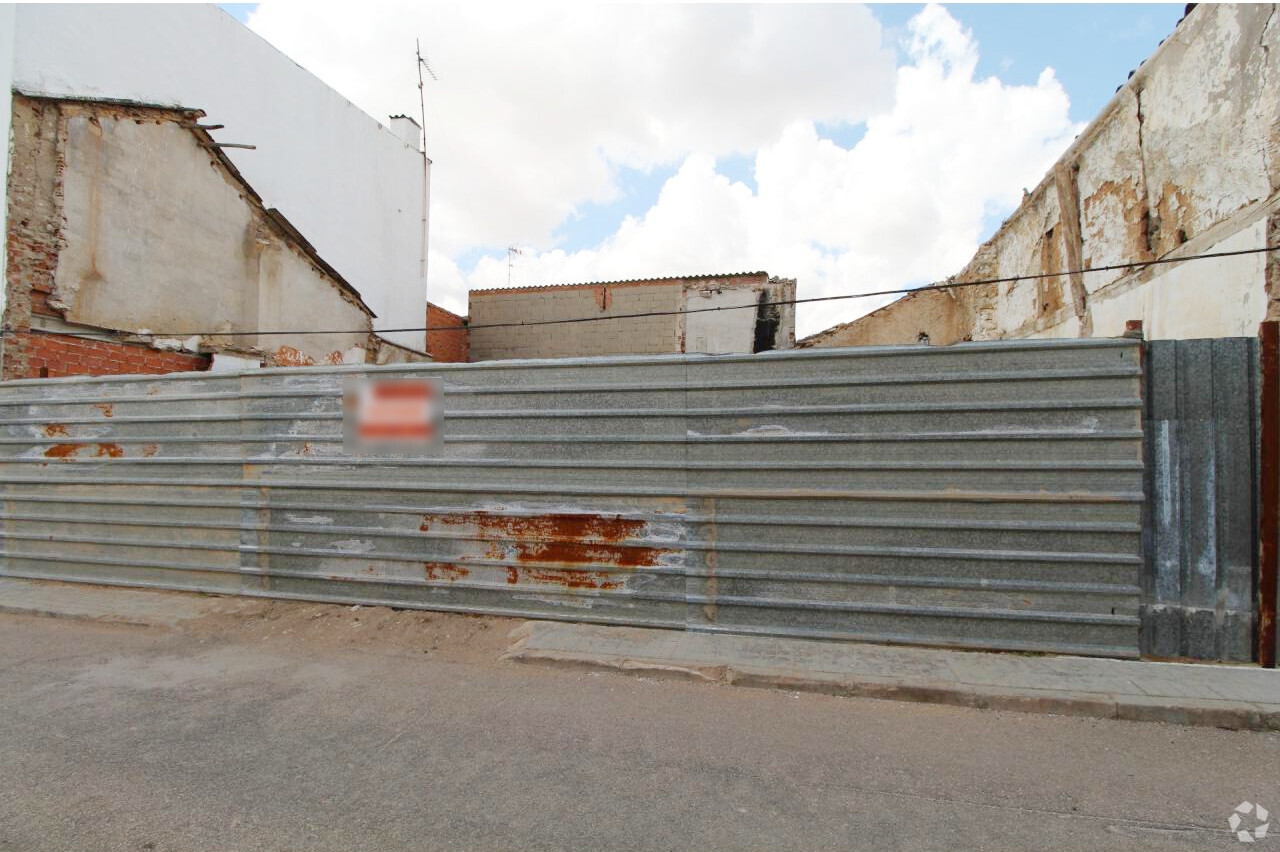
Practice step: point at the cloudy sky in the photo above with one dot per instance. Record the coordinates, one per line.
(852, 148)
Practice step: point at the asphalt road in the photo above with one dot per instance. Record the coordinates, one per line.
(115, 738)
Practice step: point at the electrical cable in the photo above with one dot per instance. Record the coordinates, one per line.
(948, 285)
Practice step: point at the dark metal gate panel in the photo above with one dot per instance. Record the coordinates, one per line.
(1200, 578)
(981, 495)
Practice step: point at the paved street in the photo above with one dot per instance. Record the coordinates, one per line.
(295, 726)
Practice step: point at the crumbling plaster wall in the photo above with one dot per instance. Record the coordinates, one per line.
(1184, 160)
(737, 330)
(350, 184)
(121, 219)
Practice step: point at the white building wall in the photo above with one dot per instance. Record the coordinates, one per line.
(351, 186)
(720, 332)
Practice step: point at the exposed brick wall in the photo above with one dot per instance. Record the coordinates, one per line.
(53, 355)
(447, 346)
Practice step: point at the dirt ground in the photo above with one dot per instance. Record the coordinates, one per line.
(444, 636)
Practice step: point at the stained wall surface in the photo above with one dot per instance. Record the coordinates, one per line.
(122, 219)
(348, 183)
(1184, 160)
(714, 314)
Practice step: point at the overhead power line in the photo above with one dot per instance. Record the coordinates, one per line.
(949, 285)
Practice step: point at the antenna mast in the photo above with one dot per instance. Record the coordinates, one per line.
(426, 163)
(512, 251)
(422, 97)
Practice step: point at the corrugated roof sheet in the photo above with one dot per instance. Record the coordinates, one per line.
(663, 280)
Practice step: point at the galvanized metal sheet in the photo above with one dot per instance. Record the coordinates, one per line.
(980, 495)
(1199, 582)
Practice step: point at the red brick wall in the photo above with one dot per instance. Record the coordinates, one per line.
(33, 356)
(447, 346)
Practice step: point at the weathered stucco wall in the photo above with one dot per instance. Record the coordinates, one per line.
(125, 218)
(741, 329)
(1184, 160)
(749, 327)
(349, 184)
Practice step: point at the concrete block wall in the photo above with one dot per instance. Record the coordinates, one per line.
(633, 336)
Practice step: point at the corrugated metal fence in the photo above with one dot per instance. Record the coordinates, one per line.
(1202, 532)
(980, 495)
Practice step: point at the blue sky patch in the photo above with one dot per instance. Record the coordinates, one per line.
(591, 224)
(1090, 47)
(739, 168)
(845, 134)
(239, 11)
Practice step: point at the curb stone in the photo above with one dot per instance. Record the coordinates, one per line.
(1219, 713)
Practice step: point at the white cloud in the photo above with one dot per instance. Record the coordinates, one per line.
(541, 107)
(538, 105)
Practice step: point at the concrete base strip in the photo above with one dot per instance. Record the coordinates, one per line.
(1236, 697)
(110, 605)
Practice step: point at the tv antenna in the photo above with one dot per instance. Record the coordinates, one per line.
(426, 175)
(512, 252)
(422, 97)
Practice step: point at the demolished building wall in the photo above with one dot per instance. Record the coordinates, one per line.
(1184, 160)
(128, 218)
(734, 313)
(353, 186)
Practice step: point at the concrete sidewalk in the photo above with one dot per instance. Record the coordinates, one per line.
(111, 605)
(1236, 697)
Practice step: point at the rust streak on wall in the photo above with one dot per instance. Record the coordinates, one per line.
(1269, 508)
(1069, 220)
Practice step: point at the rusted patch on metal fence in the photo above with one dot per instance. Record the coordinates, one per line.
(444, 571)
(572, 526)
(70, 451)
(56, 430)
(107, 409)
(569, 578)
(533, 547)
